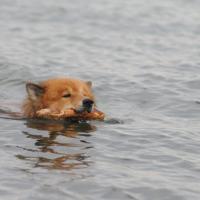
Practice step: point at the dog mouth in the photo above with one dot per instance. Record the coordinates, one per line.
(84, 109)
(89, 110)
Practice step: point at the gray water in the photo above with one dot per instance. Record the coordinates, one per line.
(143, 59)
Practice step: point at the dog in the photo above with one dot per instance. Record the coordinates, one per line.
(57, 95)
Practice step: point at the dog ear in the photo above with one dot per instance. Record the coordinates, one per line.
(34, 91)
(89, 83)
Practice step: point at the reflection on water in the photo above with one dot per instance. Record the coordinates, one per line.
(143, 60)
(66, 153)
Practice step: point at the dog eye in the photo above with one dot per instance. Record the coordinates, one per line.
(67, 95)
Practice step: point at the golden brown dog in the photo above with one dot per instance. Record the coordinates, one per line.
(57, 95)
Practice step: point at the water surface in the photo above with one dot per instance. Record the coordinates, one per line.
(143, 59)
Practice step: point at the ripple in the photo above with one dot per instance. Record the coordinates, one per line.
(143, 60)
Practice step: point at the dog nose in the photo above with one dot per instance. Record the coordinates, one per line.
(88, 103)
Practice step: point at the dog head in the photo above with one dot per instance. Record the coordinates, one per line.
(61, 94)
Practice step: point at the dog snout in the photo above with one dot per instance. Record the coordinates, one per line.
(87, 104)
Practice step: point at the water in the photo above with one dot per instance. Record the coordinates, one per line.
(143, 59)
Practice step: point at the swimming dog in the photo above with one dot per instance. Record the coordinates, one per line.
(57, 95)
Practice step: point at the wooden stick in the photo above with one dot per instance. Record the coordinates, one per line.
(71, 114)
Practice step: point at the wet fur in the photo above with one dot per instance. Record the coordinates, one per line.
(49, 94)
